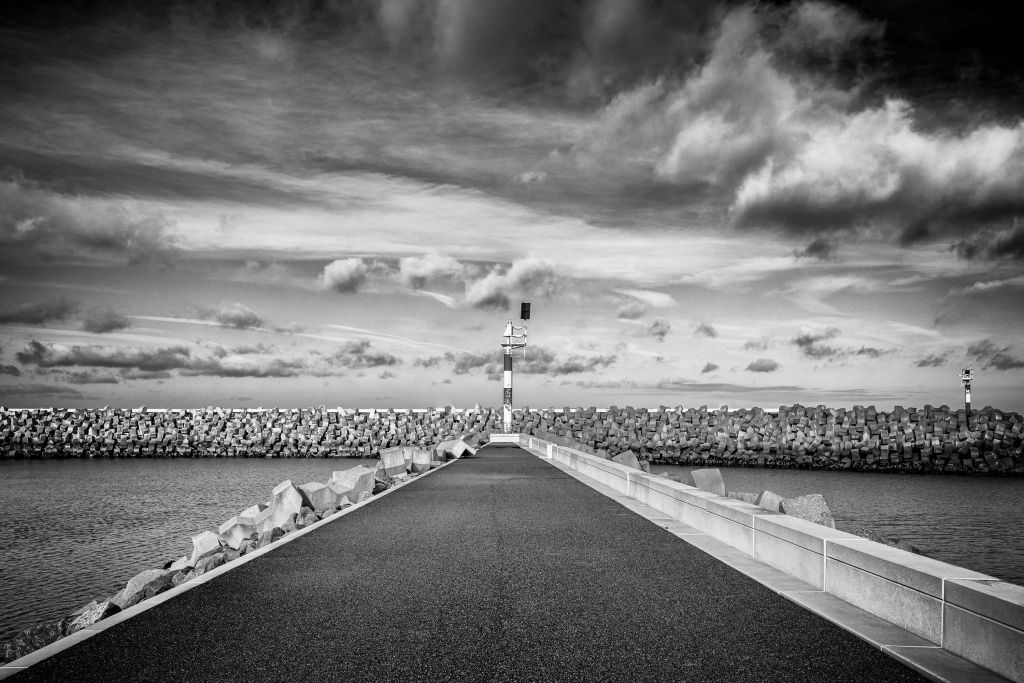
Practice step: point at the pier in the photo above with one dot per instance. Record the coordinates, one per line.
(504, 566)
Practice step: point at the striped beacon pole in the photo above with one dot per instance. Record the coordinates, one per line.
(966, 375)
(512, 343)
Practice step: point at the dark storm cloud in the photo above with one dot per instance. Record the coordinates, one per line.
(10, 370)
(37, 312)
(993, 244)
(708, 367)
(86, 377)
(103, 320)
(932, 360)
(50, 390)
(763, 365)
(811, 344)
(989, 355)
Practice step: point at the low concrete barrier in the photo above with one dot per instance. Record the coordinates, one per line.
(969, 614)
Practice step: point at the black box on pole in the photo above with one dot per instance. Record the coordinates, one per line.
(524, 311)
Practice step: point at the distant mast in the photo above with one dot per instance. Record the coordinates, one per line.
(515, 339)
(966, 375)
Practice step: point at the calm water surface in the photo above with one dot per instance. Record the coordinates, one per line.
(77, 530)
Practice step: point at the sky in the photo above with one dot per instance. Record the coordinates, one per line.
(343, 202)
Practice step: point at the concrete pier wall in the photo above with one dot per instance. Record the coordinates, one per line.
(970, 614)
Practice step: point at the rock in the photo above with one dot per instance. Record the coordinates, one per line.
(319, 496)
(158, 585)
(909, 547)
(246, 545)
(365, 496)
(392, 460)
(709, 480)
(421, 458)
(769, 501)
(811, 507)
(627, 458)
(207, 563)
(231, 555)
(135, 591)
(290, 523)
(35, 637)
(88, 617)
(203, 544)
(268, 537)
(745, 497)
(179, 564)
(351, 483)
(180, 577)
(645, 465)
(286, 501)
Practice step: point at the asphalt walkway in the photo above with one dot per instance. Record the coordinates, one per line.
(496, 568)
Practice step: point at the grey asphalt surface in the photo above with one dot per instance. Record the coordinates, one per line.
(497, 568)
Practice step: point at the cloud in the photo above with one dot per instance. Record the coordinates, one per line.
(658, 329)
(986, 286)
(44, 223)
(416, 271)
(234, 314)
(465, 362)
(10, 370)
(86, 377)
(344, 275)
(686, 385)
(357, 354)
(131, 373)
(631, 310)
(993, 243)
(705, 330)
(430, 362)
(992, 356)
(525, 277)
(810, 344)
(56, 391)
(708, 367)
(760, 344)
(649, 297)
(870, 352)
(387, 374)
(38, 313)
(819, 248)
(763, 365)
(103, 320)
(932, 360)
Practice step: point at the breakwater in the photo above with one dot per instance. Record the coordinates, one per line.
(861, 438)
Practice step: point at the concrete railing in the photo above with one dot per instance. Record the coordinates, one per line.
(970, 614)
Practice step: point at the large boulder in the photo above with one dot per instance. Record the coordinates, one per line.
(319, 496)
(393, 460)
(627, 458)
(33, 638)
(267, 537)
(811, 507)
(769, 501)
(286, 501)
(709, 480)
(93, 612)
(353, 482)
(135, 590)
(203, 544)
(206, 564)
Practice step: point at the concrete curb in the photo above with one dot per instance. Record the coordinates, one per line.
(64, 643)
(925, 657)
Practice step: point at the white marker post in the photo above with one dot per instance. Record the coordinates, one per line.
(966, 376)
(512, 336)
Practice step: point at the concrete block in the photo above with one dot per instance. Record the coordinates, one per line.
(393, 460)
(233, 532)
(769, 501)
(709, 480)
(627, 458)
(203, 543)
(811, 507)
(984, 623)
(745, 497)
(286, 501)
(460, 449)
(421, 459)
(353, 482)
(318, 496)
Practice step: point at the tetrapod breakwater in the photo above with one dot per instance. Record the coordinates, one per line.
(928, 439)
